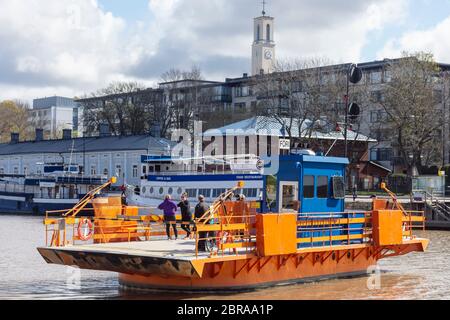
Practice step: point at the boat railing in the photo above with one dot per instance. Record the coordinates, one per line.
(231, 230)
(12, 187)
(202, 173)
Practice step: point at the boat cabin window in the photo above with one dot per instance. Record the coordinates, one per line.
(151, 169)
(205, 192)
(308, 187)
(338, 188)
(218, 192)
(250, 193)
(322, 187)
(192, 193)
(158, 168)
(289, 196)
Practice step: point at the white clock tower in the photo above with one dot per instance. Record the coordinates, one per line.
(263, 55)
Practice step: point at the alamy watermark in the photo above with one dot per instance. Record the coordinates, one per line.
(73, 281)
(374, 280)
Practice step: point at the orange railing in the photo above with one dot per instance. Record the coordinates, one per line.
(230, 229)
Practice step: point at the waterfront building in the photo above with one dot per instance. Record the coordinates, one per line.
(104, 155)
(55, 114)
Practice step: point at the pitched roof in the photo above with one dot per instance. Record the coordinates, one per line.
(155, 146)
(266, 126)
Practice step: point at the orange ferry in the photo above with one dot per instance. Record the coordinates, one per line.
(298, 232)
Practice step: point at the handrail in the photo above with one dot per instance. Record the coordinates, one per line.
(394, 198)
(88, 197)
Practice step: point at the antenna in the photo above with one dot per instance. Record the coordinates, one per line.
(264, 7)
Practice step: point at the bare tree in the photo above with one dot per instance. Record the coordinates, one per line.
(413, 113)
(182, 92)
(303, 96)
(127, 107)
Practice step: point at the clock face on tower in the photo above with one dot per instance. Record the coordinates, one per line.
(268, 54)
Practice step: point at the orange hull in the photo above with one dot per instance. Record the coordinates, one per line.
(252, 273)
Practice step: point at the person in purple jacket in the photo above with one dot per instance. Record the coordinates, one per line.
(170, 210)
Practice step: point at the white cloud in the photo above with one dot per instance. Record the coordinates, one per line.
(71, 47)
(435, 40)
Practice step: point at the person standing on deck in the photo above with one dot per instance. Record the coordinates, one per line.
(200, 211)
(170, 210)
(186, 215)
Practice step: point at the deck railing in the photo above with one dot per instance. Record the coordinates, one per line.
(231, 230)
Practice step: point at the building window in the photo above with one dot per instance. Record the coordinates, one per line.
(16, 170)
(135, 171)
(105, 172)
(240, 107)
(119, 171)
(25, 171)
(375, 77)
(377, 96)
(387, 76)
(2, 171)
(382, 154)
(268, 33)
(258, 33)
(93, 171)
(308, 187)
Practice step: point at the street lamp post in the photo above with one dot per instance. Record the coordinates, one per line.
(445, 75)
(354, 76)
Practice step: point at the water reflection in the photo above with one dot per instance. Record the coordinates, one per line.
(25, 275)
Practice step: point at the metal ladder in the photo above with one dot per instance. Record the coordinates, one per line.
(439, 207)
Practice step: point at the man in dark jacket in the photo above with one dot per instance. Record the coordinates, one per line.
(186, 215)
(200, 209)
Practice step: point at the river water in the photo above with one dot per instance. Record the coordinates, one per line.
(25, 275)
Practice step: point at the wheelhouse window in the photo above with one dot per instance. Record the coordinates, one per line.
(308, 187)
(322, 187)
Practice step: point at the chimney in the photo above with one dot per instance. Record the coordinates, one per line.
(15, 138)
(67, 134)
(39, 135)
(104, 130)
(155, 131)
(245, 75)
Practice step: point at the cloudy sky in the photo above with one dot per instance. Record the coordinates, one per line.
(74, 47)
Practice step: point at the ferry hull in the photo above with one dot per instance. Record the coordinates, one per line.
(229, 273)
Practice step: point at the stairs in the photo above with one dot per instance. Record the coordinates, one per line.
(438, 207)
